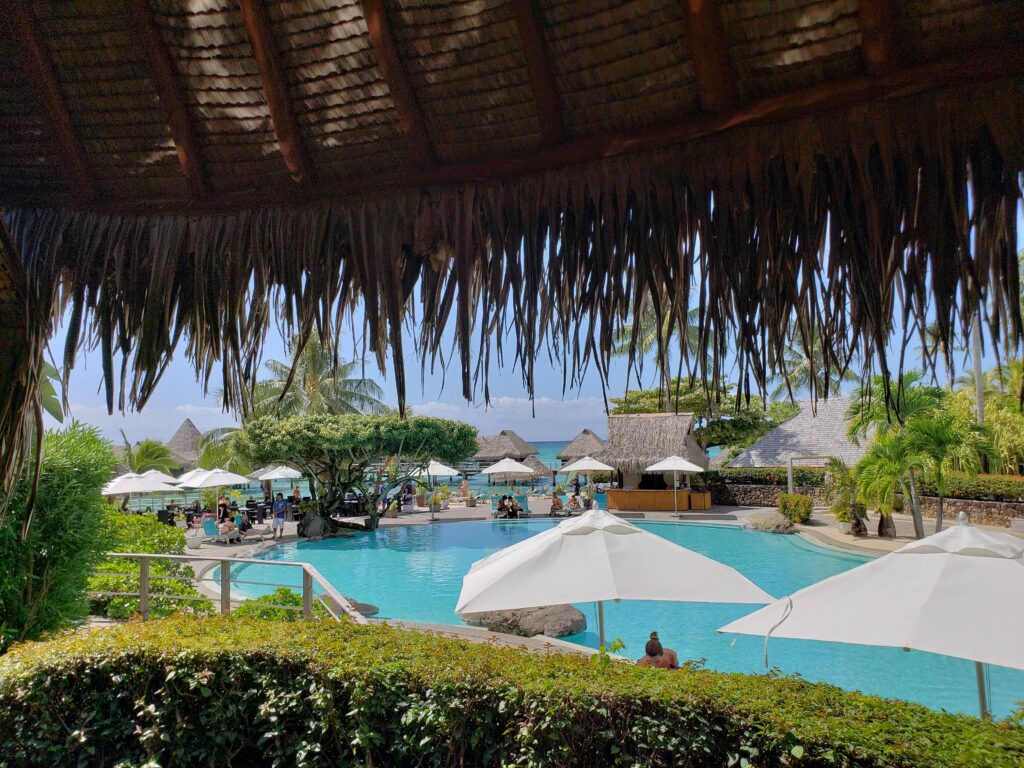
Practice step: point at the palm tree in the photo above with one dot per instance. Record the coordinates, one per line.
(802, 366)
(321, 384)
(940, 438)
(148, 454)
(882, 473)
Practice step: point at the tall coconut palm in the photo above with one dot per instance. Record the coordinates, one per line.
(802, 366)
(319, 385)
(940, 438)
(147, 455)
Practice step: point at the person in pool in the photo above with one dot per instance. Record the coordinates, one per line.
(657, 656)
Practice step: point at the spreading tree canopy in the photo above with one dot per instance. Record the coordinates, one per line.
(343, 452)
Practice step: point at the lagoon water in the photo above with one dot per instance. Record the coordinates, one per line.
(415, 573)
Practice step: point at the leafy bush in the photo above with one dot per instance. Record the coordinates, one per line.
(43, 578)
(796, 506)
(802, 476)
(223, 691)
(144, 534)
(268, 607)
(981, 487)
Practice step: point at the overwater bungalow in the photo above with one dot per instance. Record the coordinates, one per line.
(586, 443)
(504, 445)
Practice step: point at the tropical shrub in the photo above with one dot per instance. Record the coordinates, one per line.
(230, 691)
(46, 559)
(803, 476)
(796, 506)
(283, 604)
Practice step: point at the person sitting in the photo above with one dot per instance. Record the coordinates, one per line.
(280, 509)
(575, 506)
(657, 656)
(296, 496)
(557, 508)
(513, 508)
(227, 526)
(503, 507)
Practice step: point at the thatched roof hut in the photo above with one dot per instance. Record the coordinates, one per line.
(505, 444)
(540, 472)
(184, 444)
(188, 168)
(586, 443)
(636, 441)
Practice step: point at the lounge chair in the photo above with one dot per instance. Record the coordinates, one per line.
(262, 531)
(212, 533)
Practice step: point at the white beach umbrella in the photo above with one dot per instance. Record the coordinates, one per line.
(191, 474)
(586, 464)
(278, 473)
(507, 466)
(956, 593)
(156, 474)
(215, 478)
(436, 469)
(675, 465)
(131, 483)
(596, 557)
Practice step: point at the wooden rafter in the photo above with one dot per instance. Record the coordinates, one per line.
(709, 50)
(879, 33)
(44, 80)
(257, 22)
(410, 117)
(985, 65)
(542, 76)
(168, 88)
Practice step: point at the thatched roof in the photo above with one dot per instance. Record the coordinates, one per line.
(586, 443)
(636, 441)
(176, 170)
(184, 444)
(504, 444)
(540, 471)
(815, 430)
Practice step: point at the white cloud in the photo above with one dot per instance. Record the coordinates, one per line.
(545, 418)
(152, 422)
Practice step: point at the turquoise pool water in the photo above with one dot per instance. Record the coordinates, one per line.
(415, 573)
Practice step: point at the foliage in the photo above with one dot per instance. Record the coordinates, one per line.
(340, 450)
(883, 471)
(46, 559)
(982, 487)
(841, 491)
(216, 449)
(804, 364)
(231, 691)
(143, 534)
(269, 607)
(910, 397)
(148, 454)
(49, 393)
(802, 476)
(796, 507)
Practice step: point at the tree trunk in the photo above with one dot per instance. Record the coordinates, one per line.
(938, 515)
(915, 507)
(886, 526)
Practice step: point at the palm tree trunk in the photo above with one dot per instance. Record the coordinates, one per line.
(915, 506)
(938, 515)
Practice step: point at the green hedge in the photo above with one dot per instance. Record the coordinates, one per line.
(982, 487)
(804, 476)
(228, 691)
(796, 506)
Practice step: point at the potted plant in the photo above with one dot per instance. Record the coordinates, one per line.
(445, 495)
(435, 503)
(470, 499)
(589, 491)
(421, 493)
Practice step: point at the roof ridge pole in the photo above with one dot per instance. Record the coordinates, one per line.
(709, 50)
(168, 87)
(542, 76)
(879, 35)
(410, 117)
(257, 23)
(43, 78)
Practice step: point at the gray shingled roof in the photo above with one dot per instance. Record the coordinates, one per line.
(806, 434)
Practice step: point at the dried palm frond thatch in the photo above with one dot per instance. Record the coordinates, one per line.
(586, 443)
(540, 472)
(505, 444)
(638, 440)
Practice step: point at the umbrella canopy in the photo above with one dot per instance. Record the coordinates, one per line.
(130, 483)
(675, 464)
(215, 478)
(594, 557)
(278, 473)
(190, 475)
(507, 466)
(436, 469)
(586, 464)
(924, 596)
(156, 474)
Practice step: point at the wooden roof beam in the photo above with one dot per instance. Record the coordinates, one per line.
(257, 22)
(40, 72)
(542, 76)
(879, 35)
(709, 50)
(168, 88)
(410, 117)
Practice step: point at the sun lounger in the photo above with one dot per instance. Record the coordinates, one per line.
(262, 531)
(211, 533)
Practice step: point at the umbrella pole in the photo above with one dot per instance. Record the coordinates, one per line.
(979, 672)
(675, 498)
(600, 622)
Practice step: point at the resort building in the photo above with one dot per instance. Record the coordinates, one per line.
(636, 441)
(504, 445)
(810, 435)
(586, 443)
(184, 445)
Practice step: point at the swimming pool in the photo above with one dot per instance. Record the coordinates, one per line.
(415, 573)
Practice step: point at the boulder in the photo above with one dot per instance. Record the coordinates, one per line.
(769, 522)
(312, 526)
(550, 620)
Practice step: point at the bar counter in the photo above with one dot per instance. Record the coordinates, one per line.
(657, 501)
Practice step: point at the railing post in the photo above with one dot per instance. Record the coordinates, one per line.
(144, 587)
(307, 594)
(225, 587)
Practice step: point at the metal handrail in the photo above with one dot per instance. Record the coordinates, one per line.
(310, 577)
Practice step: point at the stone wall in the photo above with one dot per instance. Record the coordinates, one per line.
(758, 495)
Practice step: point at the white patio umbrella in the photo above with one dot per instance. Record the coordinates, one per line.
(956, 593)
(215, 478)
(278, 473)
(675, 465)
(131, 483)
(586, 464)
(436, 469)
(507, 466)
(596, 557)
(192, 473)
